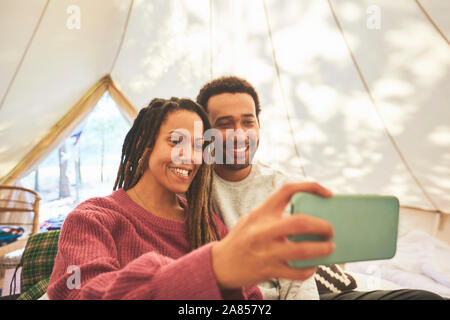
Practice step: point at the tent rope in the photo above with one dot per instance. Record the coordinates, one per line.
(24, 55)
(283, 97)
(122, 39)
(374, 104)
(432, 21)
(211, 52)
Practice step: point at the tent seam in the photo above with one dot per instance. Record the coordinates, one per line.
(122, 37)
(432, 21)
(61, 125)
(283, 97)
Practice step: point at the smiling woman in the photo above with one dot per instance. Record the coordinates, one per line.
(125, 234)
(150, 143)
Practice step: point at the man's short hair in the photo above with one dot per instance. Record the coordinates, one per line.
(227, 84)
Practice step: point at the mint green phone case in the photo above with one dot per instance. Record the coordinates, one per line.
(365, 226)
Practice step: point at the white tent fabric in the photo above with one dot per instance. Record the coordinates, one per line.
(383, 129)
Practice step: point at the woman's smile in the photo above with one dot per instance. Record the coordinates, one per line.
(184, 174)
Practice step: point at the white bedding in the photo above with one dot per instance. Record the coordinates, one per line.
(421, 262)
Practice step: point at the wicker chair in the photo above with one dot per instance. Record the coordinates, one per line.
(15, 202)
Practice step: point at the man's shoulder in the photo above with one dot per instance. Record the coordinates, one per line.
(277, 176)
(266, 169)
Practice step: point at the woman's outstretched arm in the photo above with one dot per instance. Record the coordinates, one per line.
(87, 244)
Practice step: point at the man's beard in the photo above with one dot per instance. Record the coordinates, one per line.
(236, 167)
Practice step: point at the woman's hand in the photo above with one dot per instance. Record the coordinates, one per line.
(256, 249)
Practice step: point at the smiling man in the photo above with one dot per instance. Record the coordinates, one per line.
(234, 115)
(240, 185)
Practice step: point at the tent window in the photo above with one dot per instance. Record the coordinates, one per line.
(84, 165)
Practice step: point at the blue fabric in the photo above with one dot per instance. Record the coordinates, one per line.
(10, 234)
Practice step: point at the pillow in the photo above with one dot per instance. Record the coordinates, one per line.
(332, 279)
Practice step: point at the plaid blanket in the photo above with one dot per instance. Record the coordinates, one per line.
(36, 291)
(37, 264)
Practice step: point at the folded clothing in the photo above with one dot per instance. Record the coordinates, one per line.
(52, 224)
(10, 234)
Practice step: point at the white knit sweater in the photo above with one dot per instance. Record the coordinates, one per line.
(231, 200)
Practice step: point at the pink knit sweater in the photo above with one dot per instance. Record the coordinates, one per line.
(122, 251)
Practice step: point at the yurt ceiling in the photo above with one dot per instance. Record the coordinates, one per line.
(354, 93)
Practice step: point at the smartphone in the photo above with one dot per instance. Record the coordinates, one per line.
(365, 226)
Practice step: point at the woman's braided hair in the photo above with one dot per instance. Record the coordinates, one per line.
(136, 151)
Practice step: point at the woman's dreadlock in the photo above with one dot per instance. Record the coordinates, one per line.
(136, 151)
